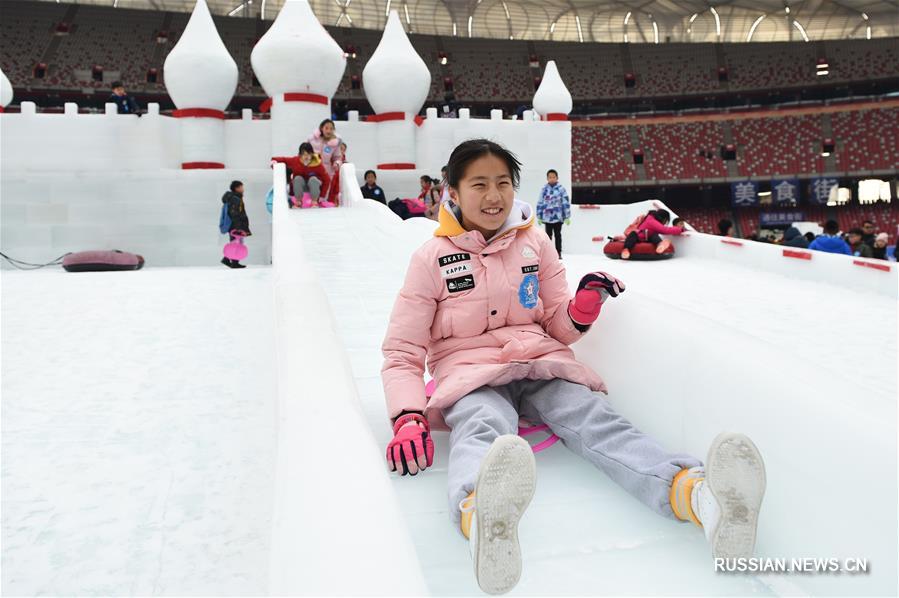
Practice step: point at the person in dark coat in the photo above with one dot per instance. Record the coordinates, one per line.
(858, 247)
(124, 102)
(370, 189)
(240, 223)
(793, 238)
(868, 235)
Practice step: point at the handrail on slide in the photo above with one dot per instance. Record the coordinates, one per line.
(336, 525)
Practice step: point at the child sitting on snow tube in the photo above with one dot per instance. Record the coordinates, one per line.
(649, 229)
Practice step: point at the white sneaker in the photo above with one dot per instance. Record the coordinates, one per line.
(505, 486)
(727, 502)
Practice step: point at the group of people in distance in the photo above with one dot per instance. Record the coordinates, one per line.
(860, 241)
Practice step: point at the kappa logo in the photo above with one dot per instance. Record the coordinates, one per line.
(455, 269)
(528, 252)
(446, 260)
(462, 283)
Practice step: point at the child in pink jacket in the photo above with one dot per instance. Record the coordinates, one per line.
(329, 146)
(486, 306)
(649, 229)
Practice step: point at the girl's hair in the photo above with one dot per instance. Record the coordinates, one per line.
(322, 124)
(305, 148)
(662, 216)
(469, 151)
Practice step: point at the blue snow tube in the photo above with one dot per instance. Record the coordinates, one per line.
(269, 198)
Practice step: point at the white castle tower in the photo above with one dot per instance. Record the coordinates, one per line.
(300, 66)
(201, 77)
(5, 91)
(552, 100)
(396, 82)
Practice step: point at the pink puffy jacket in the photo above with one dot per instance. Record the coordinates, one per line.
(330, 152)
(481, 314)
(651, 226)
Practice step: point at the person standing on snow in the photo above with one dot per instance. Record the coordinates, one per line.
(486, 305)
(554, 208)
(240, 222)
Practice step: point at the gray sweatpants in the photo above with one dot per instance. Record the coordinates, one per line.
(313, 186)
(584, 421)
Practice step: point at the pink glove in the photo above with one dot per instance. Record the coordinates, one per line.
(593, 289)
(411, 449)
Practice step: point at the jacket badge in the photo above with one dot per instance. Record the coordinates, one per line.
(527, 291)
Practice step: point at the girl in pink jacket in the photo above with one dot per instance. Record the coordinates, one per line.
(648, 229)
(327, 144)
(485, 305)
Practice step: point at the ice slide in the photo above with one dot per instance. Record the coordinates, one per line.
(798, 353)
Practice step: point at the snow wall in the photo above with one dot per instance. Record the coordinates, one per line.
(72, 182)
(330, 475)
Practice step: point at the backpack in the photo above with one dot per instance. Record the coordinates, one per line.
(224, 220)
(399, 207)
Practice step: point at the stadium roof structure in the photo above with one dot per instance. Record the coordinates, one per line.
(635, 21)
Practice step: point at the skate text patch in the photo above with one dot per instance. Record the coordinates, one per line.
(462, 283)
(453, 258)
(455, 269)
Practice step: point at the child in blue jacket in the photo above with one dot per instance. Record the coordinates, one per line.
(554, 207)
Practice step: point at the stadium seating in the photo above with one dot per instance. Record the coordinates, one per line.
(681, 69)
(122, 40)
(779, 145)
(601, 154)
(867, 139)
(26, 29)
(680, 151)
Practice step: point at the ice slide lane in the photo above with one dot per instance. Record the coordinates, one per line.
(698, 344)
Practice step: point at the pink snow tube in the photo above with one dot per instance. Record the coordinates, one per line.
(102, 261)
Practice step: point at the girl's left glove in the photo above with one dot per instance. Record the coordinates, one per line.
(411, 449)
(592, 290)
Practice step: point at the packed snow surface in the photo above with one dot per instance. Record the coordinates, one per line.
(137, 432)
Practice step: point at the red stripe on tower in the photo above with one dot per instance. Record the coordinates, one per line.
(306, 97)
(397, 166)
(201, 165)
(386, 116)
(555, 116)
(198, 113)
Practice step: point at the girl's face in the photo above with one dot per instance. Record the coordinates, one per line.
(328, 130)
(485, 195)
